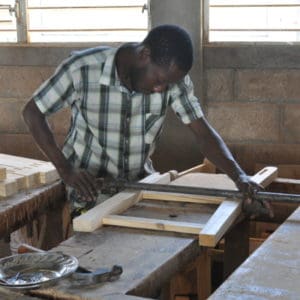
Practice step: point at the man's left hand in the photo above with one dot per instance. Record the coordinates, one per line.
(253, 207)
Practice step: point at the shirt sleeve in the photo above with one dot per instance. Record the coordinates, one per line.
(183, 101)
(56, 92)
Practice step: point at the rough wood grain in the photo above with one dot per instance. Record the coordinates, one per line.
(18, 209)
(154, 224)
(148, 258)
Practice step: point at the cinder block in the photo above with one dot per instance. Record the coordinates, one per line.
(291, 124)
(270, 85)
(245, 121)
(24, 145)
(219, 84)
(21, 82)
(248, 154)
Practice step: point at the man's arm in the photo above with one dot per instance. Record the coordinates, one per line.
(214, 148)
(40, 130)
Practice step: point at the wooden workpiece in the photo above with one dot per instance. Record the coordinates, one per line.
(20, 173)
(272, 271)
(210, 231)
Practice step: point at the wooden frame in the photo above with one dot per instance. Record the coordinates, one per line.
(209, 233)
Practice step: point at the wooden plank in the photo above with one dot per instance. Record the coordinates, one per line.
(228, 211)
(8, 187)
(47, 173)
(93, 219)
(154, 224)
(206, 180)
(272, 271)
(30, 167)
(176, 197)
(205, 167)
(31, 176)
(2, 173)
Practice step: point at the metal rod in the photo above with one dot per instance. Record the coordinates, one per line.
(273, 197)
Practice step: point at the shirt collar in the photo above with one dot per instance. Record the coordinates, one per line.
(109, 74)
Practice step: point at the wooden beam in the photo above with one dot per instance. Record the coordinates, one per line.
(8, 187)
(93, 219)
(228, 211)
(176, 197)
(2, 173)
(154, 224)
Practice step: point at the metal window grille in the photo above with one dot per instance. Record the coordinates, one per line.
(253, 20)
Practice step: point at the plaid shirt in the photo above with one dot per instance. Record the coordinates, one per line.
(113, 131)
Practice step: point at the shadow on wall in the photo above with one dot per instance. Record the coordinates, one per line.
(177, 148)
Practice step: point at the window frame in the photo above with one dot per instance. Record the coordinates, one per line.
(206, 31)
(21, 14)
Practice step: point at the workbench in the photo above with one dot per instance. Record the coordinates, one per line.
(149, 258)
(272, 271)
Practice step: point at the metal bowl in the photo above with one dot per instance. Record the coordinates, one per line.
(33, 270)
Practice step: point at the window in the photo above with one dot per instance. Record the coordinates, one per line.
(8, 27)
(254, 20)
(80, 21)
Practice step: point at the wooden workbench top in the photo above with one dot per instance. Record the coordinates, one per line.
(19, 209)
(272, 271)
(148, 259)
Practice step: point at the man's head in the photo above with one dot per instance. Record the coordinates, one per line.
(164, 57)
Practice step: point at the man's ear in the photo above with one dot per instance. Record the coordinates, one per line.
(145, 55)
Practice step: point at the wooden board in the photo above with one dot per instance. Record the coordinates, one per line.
(93, 219)
(2, 173)
(228, 211)
(209, 233)
(272, 271)
(24, 173)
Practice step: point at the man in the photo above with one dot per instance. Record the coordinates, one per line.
(118, 98)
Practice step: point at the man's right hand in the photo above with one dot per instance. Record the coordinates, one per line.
(83, 182)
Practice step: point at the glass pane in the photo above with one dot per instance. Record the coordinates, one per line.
(86, 20)
(96, 18)
(72, 3)
(103, 36)
(8, 33)
(254, 20)
(254, 36)
(253, 2)
(265, 18)
(8, 36)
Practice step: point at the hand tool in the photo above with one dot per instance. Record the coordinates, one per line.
(114, 186)
(82, 276)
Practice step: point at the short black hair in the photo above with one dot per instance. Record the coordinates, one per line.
(170, 43)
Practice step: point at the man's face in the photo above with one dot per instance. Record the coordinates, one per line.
(152, 78)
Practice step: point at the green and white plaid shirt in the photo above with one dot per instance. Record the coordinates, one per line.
(113, 131)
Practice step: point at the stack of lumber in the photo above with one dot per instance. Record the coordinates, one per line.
(20, 173)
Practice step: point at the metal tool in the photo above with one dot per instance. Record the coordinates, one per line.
(118, 185)
(81, 276)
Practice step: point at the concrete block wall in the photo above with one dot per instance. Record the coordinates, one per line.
(252, 98)
(22, 70)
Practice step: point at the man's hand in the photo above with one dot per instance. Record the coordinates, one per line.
(251, 207)
(83, 182)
